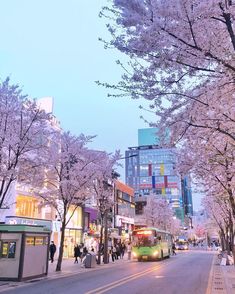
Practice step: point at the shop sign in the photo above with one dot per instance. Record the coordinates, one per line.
(28, 221)
(123, 219)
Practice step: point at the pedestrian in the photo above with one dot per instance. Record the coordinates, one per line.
(118, 250)
(77, 253)
(84, 254)
(81, 250)
(52, 249)
(129, 251)
(112, 253)
(123, 249)
(173, 249)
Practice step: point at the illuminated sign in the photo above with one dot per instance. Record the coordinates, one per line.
(144, 233)
(28, 221)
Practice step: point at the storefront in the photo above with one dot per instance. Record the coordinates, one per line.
(125, 226)
(91, 234)
(73, 232)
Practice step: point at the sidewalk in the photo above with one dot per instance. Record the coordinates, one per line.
(222, 278)
(69, 268)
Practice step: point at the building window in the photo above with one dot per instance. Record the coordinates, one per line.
(144, 170)
(139, 208)
(27, 206)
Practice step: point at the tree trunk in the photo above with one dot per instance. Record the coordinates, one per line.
(101, 242)
(106, 253)
(222, 237)
(61, 252)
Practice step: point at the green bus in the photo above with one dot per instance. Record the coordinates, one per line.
(151, 244)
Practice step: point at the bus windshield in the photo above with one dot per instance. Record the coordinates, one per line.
(144, 238)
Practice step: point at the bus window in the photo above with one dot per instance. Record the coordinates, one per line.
(144, 238)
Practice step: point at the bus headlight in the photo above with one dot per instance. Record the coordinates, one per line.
(134, 254)
(155, 253)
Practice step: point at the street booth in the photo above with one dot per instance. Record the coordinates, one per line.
(24, 252)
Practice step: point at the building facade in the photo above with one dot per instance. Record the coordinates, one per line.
(26, 207)
(124, 210)
(151, 170)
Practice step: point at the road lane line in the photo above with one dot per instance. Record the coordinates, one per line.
(126, 281)
(120, 282)
(123, 279)
(114, 284)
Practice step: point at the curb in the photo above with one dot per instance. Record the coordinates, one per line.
(218, 282)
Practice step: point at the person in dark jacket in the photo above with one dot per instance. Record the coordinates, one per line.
(123, 249)
(84, 254)
(173, 249)
(77, 253)
(52, 250)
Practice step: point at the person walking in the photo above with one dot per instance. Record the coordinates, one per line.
(113, 253)
(81, 246)
(52, 249)
(129, 251)
(123, 249)
(173, 249)
(84, 254)
(77, 253)
(117, 250)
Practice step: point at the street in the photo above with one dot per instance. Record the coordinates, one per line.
(187, 272)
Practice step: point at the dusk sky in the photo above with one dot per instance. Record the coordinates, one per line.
(51, 48)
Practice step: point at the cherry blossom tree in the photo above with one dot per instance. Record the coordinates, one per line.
(211, 160)
(67, 176)
(22, 127)
(158, 213)
(103, 188)
(219, 210)
(181, 61)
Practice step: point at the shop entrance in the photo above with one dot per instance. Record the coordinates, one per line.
(72, 237)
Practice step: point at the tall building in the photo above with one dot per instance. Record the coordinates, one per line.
(187, 195)
(151, 170)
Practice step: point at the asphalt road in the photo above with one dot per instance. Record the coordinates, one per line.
(186, 273)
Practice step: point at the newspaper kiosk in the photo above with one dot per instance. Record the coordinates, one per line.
(23, 252)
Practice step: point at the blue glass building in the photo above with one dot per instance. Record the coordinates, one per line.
(151, 170)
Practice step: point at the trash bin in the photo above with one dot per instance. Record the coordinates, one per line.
(90, 260)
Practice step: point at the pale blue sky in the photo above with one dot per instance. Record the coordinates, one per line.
(51, 48)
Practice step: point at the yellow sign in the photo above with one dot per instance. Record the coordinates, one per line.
(39, 241)
(5, 249)
(30, 241)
